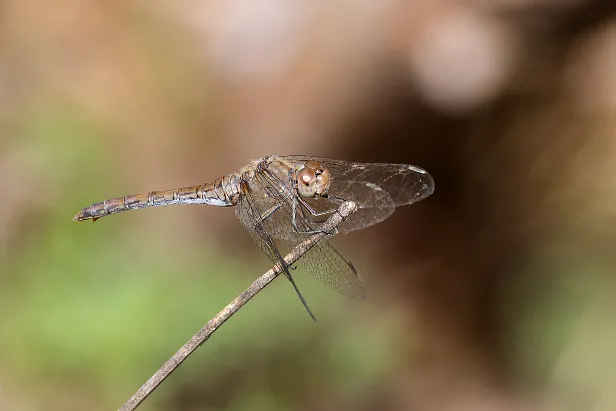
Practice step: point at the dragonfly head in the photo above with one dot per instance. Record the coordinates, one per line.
(312, 180)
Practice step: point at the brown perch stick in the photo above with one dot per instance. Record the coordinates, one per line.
(204, 333)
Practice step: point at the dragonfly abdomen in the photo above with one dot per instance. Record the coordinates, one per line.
(210, 193)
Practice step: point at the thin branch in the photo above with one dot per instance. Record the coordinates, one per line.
(204, 334)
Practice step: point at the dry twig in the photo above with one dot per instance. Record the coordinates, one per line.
(204, 333)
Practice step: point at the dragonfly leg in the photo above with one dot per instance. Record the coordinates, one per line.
(338, 200)
(269, 212)
(314, 212)
(295, 206)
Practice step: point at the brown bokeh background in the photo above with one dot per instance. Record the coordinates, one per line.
(495, 293)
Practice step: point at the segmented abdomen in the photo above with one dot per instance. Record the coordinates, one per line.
(217, 194)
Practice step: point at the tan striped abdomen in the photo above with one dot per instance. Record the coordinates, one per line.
(221, 192)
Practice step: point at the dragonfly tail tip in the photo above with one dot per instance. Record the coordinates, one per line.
(81, 217)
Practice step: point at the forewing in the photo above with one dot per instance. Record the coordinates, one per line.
(376, 188)
(405, 184)
(373, 203)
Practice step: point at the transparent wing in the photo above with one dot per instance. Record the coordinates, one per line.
(326, 263)
(405, 184)
(376, 188)
(250, 212)
(273, 191)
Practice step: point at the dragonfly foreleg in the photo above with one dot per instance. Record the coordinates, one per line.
(335, 199)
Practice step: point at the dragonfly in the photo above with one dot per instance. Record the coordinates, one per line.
(282, 200)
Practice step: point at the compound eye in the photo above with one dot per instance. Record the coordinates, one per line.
(322, 182)
(306, 182)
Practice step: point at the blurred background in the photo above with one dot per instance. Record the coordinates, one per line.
(495, 293)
